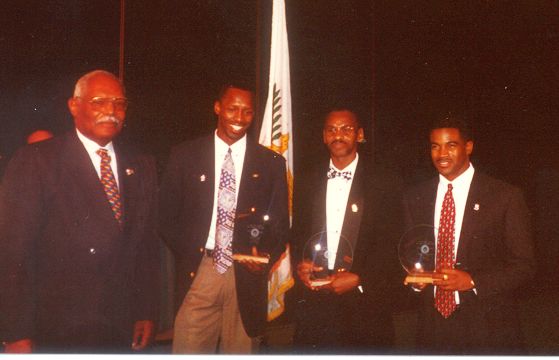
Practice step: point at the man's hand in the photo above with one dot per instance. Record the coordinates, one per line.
(342, 282)
(254, 266)
(24, 346)
(304, 271)
(144, 331)
(455, 280)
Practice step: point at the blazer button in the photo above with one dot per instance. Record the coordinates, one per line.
(92, 251)
(192, 274)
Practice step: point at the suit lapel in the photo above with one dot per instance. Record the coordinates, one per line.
(471, 212)
(206, 174)
(319, 202)
(354, 208)
(81, 168)
(249, 174)
(128, 182)
(427, 204)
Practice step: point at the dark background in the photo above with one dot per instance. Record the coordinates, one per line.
(397, 62)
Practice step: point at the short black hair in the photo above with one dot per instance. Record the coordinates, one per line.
(237, 85)
(454, 121)
(342, 107)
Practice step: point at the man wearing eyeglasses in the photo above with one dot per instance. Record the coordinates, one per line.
(346, 226)
(79, 259)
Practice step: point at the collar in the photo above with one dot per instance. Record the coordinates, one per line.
(351, 167)
(91, 146)
(462, 180)
(237, 148)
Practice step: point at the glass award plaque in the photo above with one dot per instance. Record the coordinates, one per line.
(326, 261)
(417, 253)
(255, 232)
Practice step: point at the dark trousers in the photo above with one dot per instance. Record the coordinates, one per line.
(341, 324)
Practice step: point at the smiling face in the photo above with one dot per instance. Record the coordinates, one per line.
(450, 153)
(341, 134)
(98, 111)
(234, 114)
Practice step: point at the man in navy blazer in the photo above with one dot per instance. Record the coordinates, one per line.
(226, 309)
(78, 274)
(493, 251)
(356, 201)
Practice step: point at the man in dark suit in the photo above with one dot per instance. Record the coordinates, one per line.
(353, 204)
(223, 195)
(484, 250)
(79, 264)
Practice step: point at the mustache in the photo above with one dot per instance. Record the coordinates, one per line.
(337, 141)
(108, 118)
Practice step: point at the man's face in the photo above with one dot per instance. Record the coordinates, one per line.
(100, 111)
(341, 134)
(449, 152)
(234, 114)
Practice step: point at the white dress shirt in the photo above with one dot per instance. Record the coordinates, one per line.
(238, 150)
(337, 194)
(460, 190)
(91, 147)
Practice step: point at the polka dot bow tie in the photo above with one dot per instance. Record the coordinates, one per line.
(332, 173)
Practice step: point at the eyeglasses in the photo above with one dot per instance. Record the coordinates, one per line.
(98, 103)
(344, 130)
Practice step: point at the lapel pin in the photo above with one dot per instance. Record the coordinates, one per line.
(130, 172)
(256, 175)
(354, 208)
(476, 207)
(202, 178)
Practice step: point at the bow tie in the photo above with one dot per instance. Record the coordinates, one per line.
(332, 173)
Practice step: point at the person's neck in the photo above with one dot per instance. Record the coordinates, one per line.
(341, 162)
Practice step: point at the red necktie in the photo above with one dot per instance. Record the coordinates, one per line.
(109, 184)
(444, 299)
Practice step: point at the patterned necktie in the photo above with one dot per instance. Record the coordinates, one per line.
(444, 299)
(332, 173)
(109, 184)
(226, 204)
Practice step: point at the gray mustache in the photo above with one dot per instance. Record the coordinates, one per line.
(107, 118)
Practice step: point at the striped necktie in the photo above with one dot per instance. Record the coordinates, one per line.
(109, 184)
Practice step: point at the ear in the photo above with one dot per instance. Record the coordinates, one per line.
(360, 136)
(469, 147)
(217, 107)
(73, 106)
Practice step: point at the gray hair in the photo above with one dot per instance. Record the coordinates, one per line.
(81, 84)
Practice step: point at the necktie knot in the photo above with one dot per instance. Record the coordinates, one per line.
(333, 173)
(103, 153)
(450, 187)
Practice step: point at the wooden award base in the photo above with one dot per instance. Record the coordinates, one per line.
(258, 259)
(320, 282)
(423, 278)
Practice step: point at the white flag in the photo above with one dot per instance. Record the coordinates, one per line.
(276, 134)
